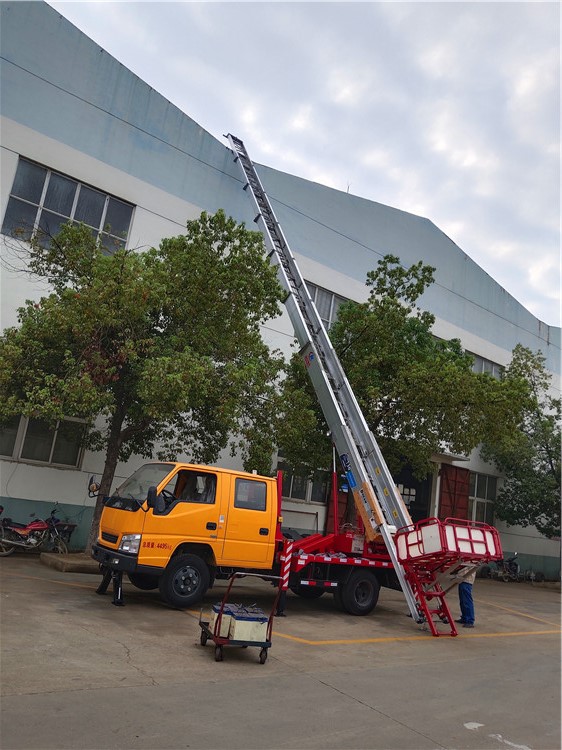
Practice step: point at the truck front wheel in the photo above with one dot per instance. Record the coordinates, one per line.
(359, 594)
(185, 581)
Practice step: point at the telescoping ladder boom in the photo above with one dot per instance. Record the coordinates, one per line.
(377, 498)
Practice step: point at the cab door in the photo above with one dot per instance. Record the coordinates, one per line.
(194, 513)
(250, 529)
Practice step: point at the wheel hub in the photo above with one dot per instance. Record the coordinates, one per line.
(186, 580)
(362, 593)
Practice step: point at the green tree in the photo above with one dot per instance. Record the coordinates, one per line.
(162, 346)
(529, 455)
(418, 394)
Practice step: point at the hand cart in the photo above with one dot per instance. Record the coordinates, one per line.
(221, 640)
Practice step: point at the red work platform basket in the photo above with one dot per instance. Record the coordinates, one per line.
(432, 540)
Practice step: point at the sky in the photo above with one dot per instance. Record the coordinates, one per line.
(448, 110)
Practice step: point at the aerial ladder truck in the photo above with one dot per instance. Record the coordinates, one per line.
(179, 527)
(424, 556)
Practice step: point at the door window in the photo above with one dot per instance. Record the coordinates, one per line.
(196, 487)
(250, 494)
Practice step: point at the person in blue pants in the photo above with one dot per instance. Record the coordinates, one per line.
(468, 576)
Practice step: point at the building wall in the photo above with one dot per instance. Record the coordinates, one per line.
(67, 104)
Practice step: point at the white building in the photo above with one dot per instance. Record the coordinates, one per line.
(83, 137)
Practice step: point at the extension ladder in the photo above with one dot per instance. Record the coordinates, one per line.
(377, 499)
(423, 555)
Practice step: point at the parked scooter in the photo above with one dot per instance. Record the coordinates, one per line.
(50, 535)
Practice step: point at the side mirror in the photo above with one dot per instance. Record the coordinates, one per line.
(151, 497)
(93, 487)
(154, 501)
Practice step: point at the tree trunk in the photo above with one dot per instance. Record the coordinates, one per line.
(111, 458)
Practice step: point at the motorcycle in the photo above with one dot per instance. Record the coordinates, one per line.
(49, 535)
(507, 570)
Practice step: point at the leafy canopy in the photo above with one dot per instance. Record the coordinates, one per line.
(157, 347)
(529, 456)
(418, 394)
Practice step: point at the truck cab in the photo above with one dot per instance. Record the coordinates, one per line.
(177, 526)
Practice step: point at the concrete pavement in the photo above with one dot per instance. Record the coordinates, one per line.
(78, 672)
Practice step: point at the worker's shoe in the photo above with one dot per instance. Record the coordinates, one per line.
(468, 624)
(460, 621)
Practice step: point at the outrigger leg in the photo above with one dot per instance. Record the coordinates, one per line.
(117, 577)
(102, 588)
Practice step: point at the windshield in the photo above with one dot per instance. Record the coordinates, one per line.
(133, 491)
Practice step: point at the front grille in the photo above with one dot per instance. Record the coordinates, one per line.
(112, 538)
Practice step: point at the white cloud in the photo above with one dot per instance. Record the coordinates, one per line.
(440, 60)
(448, 110)
(347, 85)
(302, 119)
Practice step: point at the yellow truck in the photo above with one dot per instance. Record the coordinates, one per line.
(176, 526)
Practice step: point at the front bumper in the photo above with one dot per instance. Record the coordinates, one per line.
(114, 560)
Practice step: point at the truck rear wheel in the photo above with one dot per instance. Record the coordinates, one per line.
(185, 581)
(359, 594)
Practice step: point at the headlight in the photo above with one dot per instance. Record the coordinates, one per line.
(130, 543)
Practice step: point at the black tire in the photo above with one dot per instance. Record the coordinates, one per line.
(219, 655)
(143, 581)
(263, 656)
(185, 581)
(5, 547)
(308, 592)
(360, 593)
(204, 638)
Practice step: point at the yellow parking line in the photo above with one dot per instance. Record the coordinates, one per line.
(390, 639)
(51, 580)
(354, 641)
(349, 641)
(521, 614)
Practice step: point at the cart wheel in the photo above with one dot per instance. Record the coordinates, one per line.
(263, 655)
(218, 653)
(203, 638)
